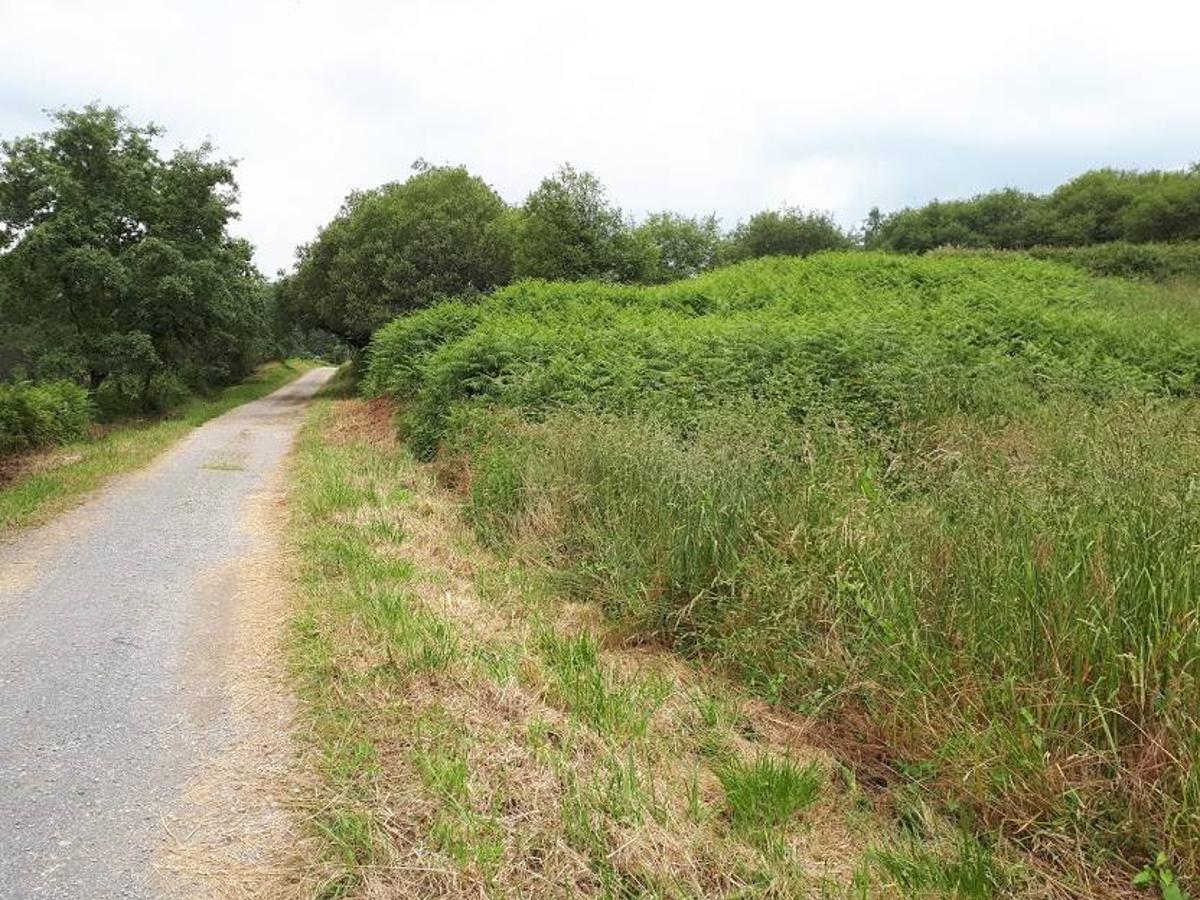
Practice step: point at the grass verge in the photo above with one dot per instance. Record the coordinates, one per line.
(478, 736)
(59, 478)
(943, 507)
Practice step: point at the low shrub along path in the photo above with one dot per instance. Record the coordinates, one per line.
(116, 632)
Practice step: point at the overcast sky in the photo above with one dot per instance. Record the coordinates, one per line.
(724, 107)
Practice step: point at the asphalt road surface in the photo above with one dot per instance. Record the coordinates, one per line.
(114, 622)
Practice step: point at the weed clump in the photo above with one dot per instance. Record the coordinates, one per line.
(767, 791)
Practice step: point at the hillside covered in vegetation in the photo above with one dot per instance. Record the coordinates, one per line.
(946, 506)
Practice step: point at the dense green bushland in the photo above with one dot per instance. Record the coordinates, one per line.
(945, 505)
(874, 340)
(1098, 207)
(1151, 261)
(33, 415)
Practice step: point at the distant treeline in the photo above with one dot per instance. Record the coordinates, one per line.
(1096, 208)
(445, 233)
(118, 272)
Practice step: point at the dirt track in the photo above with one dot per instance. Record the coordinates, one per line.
(115, 624)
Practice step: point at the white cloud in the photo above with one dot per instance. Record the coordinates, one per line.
(697, 106)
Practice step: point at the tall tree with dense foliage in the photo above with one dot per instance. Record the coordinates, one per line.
(683, 246)
(568, 230)
(117, 263)
(787, 231)
(442, 233)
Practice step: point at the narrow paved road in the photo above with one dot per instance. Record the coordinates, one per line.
(114, 622)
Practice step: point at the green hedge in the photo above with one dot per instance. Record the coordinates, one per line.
(36, 414)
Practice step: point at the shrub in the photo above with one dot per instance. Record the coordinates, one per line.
(399, 346)
(871, 339)
(1152, 262)
(787, 231)
(37, 414)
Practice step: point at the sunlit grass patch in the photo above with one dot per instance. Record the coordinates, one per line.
(768, 791)
(467, 835)
(499, 660)
(414, 640)
(966, 870)
(590, 689)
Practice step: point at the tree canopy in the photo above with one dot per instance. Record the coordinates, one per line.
(117, 266)
(1097, 207)
(568, 230)
(787, 231)
(682, 246)
(441, 233)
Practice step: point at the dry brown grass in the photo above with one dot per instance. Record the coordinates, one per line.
(34, 462)
(240, 832)
(488, 780)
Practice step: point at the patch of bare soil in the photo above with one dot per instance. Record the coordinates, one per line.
(365, 422)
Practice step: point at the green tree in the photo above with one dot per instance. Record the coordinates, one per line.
(117, 262)
(1168, 209)
(1006, 219)
(872, 229)
(787, 231)
(683, 246)
(567, 230)
(1089, 209)
(1098, 207)
(441, 233)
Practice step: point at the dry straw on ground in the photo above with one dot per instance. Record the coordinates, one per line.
(240, 831)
